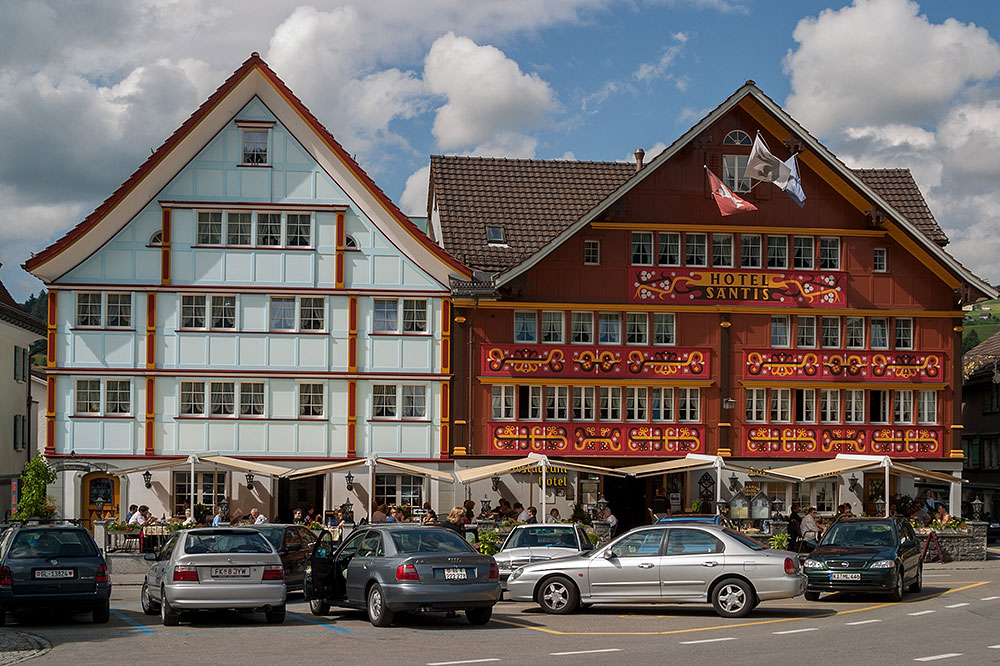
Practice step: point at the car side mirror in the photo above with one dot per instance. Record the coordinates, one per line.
(609, 554)
(150, 556)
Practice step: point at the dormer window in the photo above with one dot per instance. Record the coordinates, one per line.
(734, 167)
(495, 235)
(254, 145)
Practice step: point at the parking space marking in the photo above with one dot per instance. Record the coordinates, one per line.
(923, 612)
(989, 598)
(957, 605)
(794, 631)
(947, 655)
(466, 661)
(309, 620)
(564, 654)
(937, 575)
(138, 625)
(709, 640)
(854, 624)
(993, 647)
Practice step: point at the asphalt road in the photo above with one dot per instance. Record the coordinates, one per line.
(955, 620)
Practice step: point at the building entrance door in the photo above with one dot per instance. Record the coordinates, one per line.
(98, 498)
(299, 494)
(627, 499)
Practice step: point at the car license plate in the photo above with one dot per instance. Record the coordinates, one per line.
(53, 573)
(455, 574)
(230, 572)
(845, 576)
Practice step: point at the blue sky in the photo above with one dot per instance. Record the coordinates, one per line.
(89, 87)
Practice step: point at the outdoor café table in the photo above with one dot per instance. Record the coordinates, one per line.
(152, 537)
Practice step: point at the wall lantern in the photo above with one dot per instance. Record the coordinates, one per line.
(147, 478)
(486, 504)
(350, 482)
(496, 482)
(249, 480)
(853, 484)
(734, 483)
(728, 403)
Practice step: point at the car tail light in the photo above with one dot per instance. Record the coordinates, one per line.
(102, 573)
(273, 572)
(790, 567)
(5, 578)
(189, 574)
(407, 572)
(494, 571)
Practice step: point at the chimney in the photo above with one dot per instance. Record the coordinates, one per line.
(639, 154)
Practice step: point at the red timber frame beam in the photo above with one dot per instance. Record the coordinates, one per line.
(352, 366)
(50, 385)
(341, 245)
(445, 385)
(165, 247)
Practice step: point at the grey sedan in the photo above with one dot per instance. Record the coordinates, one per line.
(535, 543)
(679, 563)
(214, 568)
(388, 568)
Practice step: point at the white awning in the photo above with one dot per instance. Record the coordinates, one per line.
(689, 463)
(532, 460)
(246, 465)
(822, 469)
(159, 464)
(414, 469)
(324, 469)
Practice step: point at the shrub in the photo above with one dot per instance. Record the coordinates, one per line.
(33, 501)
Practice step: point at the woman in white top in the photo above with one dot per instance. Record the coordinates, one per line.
(553, 516)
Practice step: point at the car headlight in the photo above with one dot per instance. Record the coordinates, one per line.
(883, 564)
(995, 526)
(517, 574)
(813, 564)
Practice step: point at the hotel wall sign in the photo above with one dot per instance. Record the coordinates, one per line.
(843, 366)
(809, 441)
(655, 441)
(681, 286)
(581, 361)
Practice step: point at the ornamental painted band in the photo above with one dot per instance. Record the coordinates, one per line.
(694, 286)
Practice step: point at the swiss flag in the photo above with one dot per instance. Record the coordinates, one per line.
(728, 202)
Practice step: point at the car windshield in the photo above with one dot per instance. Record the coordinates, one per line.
(429, 541)
(214, 542)
(31, 543)
(859, 534)
(746, 541)
(542, 536)
(275, 535)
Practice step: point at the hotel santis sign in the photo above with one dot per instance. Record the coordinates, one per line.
(682, 286)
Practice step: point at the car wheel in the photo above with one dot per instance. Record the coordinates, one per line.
(897, 592)
(378, 614)
(149, 607)
(812, 596)
(558, 595)
(102, 613)
(918, 582)
(479, 615)
(733, 598)
(276, 615)
(168, 615)
(319, 606)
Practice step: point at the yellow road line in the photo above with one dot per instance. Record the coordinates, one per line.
(733, 626)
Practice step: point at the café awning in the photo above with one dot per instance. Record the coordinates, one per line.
(415, 469)
(689, 463)
(159, 464)
(823, 469)
(324, 469)
(373, 460)
(245, 465)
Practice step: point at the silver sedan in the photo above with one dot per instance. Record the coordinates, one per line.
(214, 568)
(678, 563)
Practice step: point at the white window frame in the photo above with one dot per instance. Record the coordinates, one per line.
(829, 253)
(534, 406)
(927, 411)
(280, 317)
(502, 403)
(553, 327)
(556, 403)
(688, 404)
(781, 405)
(637, 403)
(879, 326)
(827, 325)
(87, 397)
(86, 315)
(194, 307)
(583, 403)
(385, 403)
(609, 328)
(780, 334)
(880, 396)
(118, 310)
(312, 400)
(526, 326)
(696, 250)
(239, 228)
(191, 398)
(641, 248)
(803, 253)
(118, 397)
(664, 328)
(222, 399)
(734, 172)
(385, 315)
(880, 259)
(661, 403)
(636, 328)
(722, 250)
(251, 147)
(253, 400)
(854, 406)
(903, 326)
(591, 252)
(902, 407)
(415, 314)
(829, 406)
(755, 403)
(668, 242)
(805, 331)
(209, 228)
(312, 313)
(268, 227)
(853, 327)
(414, 402)
(582, 326)
(610, 403)
(777, 252)
(805, 405)
(750, 251)
(298, 230)
(219, 302)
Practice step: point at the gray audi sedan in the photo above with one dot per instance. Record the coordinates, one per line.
(387, 568)
(214, 568)
(677, 563)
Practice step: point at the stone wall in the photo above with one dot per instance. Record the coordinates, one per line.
(958, 545)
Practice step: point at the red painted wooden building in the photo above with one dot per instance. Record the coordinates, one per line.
(617, 317)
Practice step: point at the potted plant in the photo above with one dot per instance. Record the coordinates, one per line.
(33, 502)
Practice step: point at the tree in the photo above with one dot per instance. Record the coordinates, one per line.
(33, 501)
(38, 307)
(970, 339)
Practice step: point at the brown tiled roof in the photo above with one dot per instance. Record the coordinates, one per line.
(11, 312)
(533, 200)
(900, 191)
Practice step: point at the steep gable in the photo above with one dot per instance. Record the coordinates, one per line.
(254, 79)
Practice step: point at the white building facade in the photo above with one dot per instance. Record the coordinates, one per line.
(246, 306)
